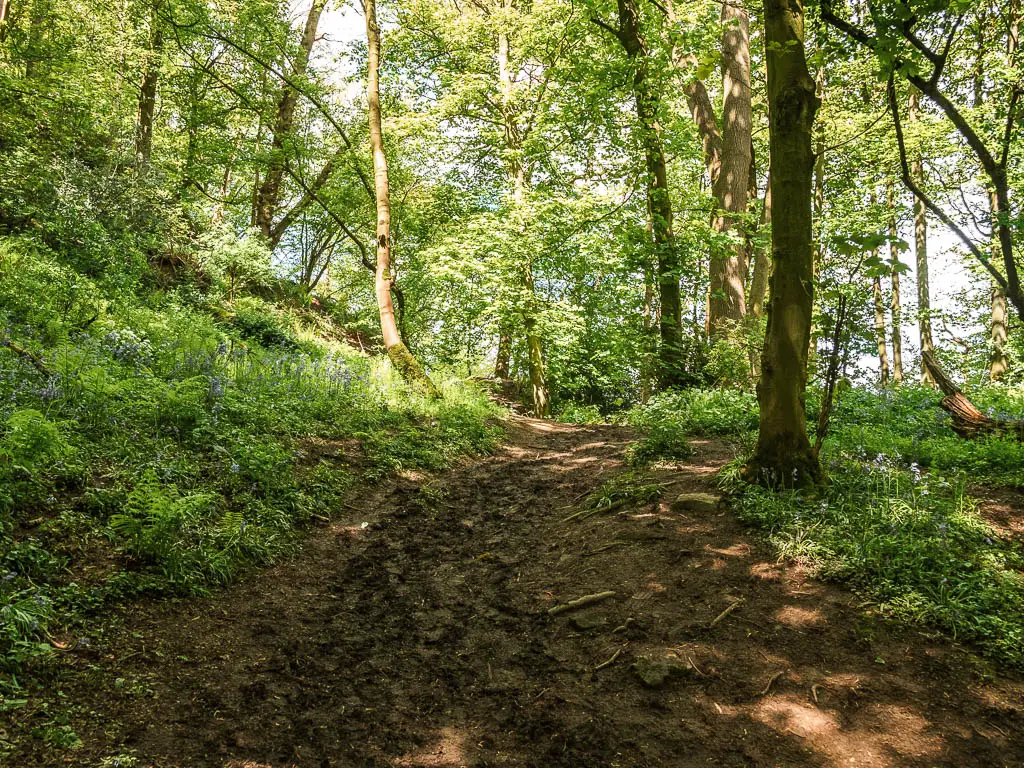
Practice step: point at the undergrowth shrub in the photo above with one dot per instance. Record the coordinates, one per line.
(909, 541)
(173, 444)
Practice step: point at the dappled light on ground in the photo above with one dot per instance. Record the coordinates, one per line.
(472, 622)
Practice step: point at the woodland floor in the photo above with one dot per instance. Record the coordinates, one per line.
(424, 639)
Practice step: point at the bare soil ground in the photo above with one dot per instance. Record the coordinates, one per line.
(424, 639)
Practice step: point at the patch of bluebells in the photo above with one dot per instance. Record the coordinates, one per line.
(128, 348)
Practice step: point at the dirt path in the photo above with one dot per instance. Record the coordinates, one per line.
(424, 639)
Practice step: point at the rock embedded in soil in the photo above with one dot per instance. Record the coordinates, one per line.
(655, 673)
(587, 621)
(696, 502)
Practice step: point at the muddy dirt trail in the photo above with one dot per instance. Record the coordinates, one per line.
(425, 639)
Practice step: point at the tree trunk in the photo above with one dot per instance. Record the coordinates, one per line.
(503, 358)
(784, 456)
(406, 365)
(897, 329)
(968, 421)
(147, 93)
(268, 195)
(729, 270)
(924, 319)
(648, 100)
(883, 353)
(517, 175)
(999, 327)
(817, 210)
(762, 259)
(897, 315)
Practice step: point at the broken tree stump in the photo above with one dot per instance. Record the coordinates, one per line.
(968, 420)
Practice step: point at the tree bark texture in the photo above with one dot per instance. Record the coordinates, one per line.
(924, 320)
(147, 93)
(883, 352)
(516, 170)
(648, 100)
(268, 194)
(968, 421)
(401, 358)
(729, 269)
(762, 259)
(784, 456)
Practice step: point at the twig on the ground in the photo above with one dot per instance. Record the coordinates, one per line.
(610, 661)
(319, 518)
(771, 682)
(814, 693)
(583, 514)
(624, 626)
(693, 665)
(581, 602)
(606, 547)
(718, 619)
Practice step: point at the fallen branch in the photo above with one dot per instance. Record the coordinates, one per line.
(34, 360)
(968, 420)
(581, 602)
(610, 661)
(583, 514)
(718, 619)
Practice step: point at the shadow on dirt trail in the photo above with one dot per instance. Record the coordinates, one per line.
(424, 639)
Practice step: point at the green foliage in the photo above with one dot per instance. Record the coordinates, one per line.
(173, 448)
(30, 440)
(700, 413)
(907, 425)
(628, 488)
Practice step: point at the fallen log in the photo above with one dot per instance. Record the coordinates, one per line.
(968, 420)
(34, 360)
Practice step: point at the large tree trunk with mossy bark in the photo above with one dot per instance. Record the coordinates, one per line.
(401, 358)
(784, 456)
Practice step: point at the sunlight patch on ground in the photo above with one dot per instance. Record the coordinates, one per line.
(792, 616)
(447, 751)
(736, 550)
(873, 745)
(766, 571)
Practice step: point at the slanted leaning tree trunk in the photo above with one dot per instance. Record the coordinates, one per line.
(728, 270)
(648, 101)
(406, 365)
(784, 456)
(924, 319)
(268, 194)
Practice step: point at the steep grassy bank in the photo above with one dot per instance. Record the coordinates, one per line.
(162, 440)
